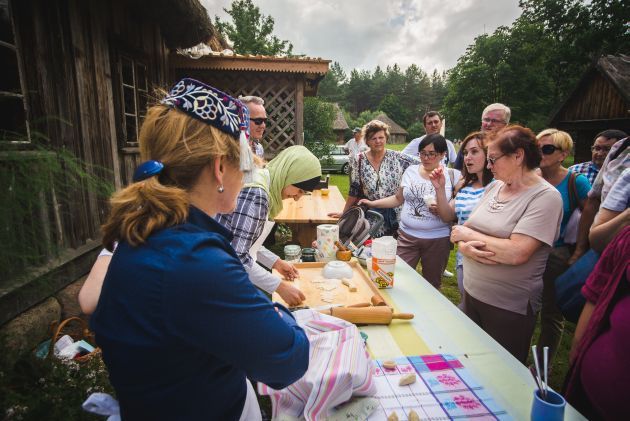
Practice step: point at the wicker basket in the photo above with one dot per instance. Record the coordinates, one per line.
(85, 334)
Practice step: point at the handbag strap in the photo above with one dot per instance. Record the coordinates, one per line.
(359, 174)
(574, 200)
(451, 176)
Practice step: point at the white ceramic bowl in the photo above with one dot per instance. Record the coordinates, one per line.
(337, 269)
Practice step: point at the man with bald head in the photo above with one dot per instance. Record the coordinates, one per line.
(494, 117)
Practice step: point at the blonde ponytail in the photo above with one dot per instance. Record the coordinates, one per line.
(185, 146)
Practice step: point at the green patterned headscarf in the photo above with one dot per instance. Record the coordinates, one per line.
(293, 165)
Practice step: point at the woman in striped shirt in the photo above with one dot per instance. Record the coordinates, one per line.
(476, 176)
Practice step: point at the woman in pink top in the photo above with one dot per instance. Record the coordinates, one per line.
(599, 377)
(506, 241)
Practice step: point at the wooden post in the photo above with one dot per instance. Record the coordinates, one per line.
(299, 111)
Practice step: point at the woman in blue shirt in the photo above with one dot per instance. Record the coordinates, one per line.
(555, 145)
(180, 325)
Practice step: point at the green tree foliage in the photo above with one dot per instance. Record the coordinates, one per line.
(332, 86)
(251, 32)
(507, 66)
(318, 120)
(403, 95)
(393, 107)
(535, 63)
(362, 119)
(415, 130)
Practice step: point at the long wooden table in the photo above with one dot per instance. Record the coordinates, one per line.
(439, 327)
(303, 216)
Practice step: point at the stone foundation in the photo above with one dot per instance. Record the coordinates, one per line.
(32, 327)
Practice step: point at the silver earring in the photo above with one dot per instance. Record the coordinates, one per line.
(220, 189)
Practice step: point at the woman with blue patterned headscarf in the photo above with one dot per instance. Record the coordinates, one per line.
(177, 314)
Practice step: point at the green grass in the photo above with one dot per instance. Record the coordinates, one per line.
(397, 146)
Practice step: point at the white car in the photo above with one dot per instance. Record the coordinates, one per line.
(336, 161)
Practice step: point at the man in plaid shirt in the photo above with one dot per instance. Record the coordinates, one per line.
(600, 149)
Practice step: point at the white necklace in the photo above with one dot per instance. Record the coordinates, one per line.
(496, 205)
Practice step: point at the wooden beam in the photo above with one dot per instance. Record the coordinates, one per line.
(299, 111)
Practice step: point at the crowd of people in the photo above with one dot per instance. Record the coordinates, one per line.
(205, 200)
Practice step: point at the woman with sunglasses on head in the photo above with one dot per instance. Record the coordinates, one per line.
(506, 241)
(422, 236)
(291, 174)
(376, 173)
(180, 325)
(555, 145)
(475, 179)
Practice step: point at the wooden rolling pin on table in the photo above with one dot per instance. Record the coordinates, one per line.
(381, 315)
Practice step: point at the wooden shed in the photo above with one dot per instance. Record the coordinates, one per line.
(396, 133)
(282, 82)
(340, 125)
(79, 74)
(600, 101)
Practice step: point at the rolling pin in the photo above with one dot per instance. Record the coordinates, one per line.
(368, 315)
(378, 301)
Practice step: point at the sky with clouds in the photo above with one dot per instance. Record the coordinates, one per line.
(365, 33)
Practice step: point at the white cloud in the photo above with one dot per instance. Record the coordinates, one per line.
(365, 33)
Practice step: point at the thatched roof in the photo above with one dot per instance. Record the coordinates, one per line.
(617, 69)
(340, 122)
(394, 128)
(614, 69)
(184, 23)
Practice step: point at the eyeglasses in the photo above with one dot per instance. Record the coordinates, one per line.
(492, 161)
(492, 120)
(549, 149)
(428, 155)
(259, 121)
(596, 148)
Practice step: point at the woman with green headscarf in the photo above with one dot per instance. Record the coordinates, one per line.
(289, 175)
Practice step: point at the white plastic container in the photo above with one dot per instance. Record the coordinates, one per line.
(382, 265)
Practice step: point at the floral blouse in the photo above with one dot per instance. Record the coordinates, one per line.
(366, 182)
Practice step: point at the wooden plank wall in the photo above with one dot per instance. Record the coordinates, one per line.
(68, 47)
(597, 100)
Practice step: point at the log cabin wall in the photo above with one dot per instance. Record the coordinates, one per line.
(87, 68)
(596, 104)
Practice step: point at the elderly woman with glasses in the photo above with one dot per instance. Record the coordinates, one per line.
(506, 242)
(376, 174)
(423, 236)
(555, 145)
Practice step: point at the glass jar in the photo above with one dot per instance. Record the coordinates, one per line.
(308, 255)
(292, 253)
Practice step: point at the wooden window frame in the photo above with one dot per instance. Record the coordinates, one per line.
(16, 47)
(137, 112)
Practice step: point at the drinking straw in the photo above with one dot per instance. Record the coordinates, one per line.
(542, 391)
(545, 361)
(532, 371)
